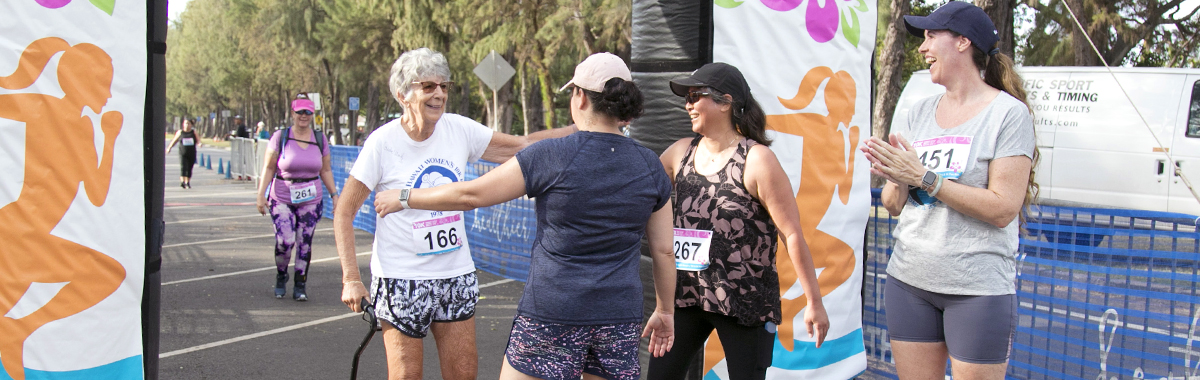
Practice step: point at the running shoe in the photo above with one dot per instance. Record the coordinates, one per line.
(298, 292)
(280, 284)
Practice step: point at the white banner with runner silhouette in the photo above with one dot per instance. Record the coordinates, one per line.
(72, 99)
(808, 63)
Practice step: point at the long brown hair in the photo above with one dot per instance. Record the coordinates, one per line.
(748, 120)
(1000, 72)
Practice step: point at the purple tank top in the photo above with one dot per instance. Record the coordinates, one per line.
(300, 167)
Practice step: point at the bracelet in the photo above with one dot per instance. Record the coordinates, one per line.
(937, 187)
(352, 282)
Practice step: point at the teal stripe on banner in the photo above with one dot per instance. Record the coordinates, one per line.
(125, 369)
(806, 355)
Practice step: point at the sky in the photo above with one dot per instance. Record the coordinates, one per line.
(175, 8)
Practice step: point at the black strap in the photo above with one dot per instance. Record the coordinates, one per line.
(294, 180)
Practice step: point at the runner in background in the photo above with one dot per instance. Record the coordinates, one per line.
(415, 288)
(295, 171)
(958, 177)
(189, 142)
(732, 201)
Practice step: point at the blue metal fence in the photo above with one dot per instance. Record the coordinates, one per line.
(1102, 294)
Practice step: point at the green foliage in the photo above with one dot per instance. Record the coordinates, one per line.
(253, 55)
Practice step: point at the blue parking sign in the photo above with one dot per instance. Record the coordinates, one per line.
(353, 103)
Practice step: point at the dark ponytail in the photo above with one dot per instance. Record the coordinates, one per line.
(749, 119)
(621, 99)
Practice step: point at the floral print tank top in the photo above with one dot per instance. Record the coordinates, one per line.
(741, 280)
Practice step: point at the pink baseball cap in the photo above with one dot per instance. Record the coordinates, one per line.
(303, 104)
(593, 72)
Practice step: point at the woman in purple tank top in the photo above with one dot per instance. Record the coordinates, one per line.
(295, 171)
(732, 201)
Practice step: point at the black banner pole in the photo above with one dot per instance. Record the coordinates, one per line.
(153, 161)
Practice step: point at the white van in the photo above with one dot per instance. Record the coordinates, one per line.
(1094, 148)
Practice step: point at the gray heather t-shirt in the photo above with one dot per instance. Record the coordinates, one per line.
(939, 249)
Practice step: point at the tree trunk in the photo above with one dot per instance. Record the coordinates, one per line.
(891, 73)
(547, 97)
(487, 109)
(331, 104)
(372, 108)
(505, 100)
(524, 97)
(1084, 56)
(464, 103)
(1001, 13)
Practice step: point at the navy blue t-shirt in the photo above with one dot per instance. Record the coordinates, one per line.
(594, 194)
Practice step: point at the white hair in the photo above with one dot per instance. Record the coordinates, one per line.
(414, 65)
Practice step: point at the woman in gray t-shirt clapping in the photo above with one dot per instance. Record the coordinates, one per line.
(959, 175)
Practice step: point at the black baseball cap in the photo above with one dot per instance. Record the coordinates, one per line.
(959, 17)
(719, 76)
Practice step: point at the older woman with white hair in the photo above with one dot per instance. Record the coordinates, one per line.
(423, 277)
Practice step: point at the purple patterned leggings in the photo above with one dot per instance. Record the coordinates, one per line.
(289, 220)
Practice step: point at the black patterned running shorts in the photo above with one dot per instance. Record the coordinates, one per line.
(412, 305)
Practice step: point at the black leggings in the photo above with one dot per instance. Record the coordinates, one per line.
(186, 162)
(747, 349)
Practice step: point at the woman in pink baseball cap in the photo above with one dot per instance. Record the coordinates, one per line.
(295, 171)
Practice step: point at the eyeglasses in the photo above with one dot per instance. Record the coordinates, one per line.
(694, 96)
(428, 87)
(304, 112)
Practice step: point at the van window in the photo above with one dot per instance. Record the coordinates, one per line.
(1193, 129)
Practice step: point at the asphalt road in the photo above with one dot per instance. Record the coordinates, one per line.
(220, 319)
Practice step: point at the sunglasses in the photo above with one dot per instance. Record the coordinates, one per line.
(428, 87)
(304, 112)
(694, 96)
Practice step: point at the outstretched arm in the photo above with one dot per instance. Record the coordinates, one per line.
(502, 184)
(505, 146)
(327, 180)
(766, 180)
(660, 328)
(96, 182)
(174, 141)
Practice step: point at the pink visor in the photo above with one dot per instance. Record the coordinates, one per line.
(303, 104)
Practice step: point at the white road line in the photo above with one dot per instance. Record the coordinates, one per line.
(211, 219)
(252, 271)
(494, 283)
(281, 330)
(233, 239)
(256, 335)
(246, 192)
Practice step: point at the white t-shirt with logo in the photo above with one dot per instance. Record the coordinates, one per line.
(420, 244)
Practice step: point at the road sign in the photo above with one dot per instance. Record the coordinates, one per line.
(353, 103)
(212, 115)
(315, 97)
(494, 71)
(224, 113)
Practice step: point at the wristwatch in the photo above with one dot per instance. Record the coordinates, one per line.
(404, 197)
(929, 179)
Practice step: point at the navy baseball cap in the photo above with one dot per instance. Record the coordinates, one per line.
(720, 76)
(959, 17)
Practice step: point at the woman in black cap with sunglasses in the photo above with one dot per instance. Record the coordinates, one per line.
(732, 201)
(959, 175)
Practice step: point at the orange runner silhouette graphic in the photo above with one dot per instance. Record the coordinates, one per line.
(59, 154)
(825, 170)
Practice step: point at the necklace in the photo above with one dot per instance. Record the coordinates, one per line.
(713, 157)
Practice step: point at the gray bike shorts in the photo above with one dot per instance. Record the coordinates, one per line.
(976, 329)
